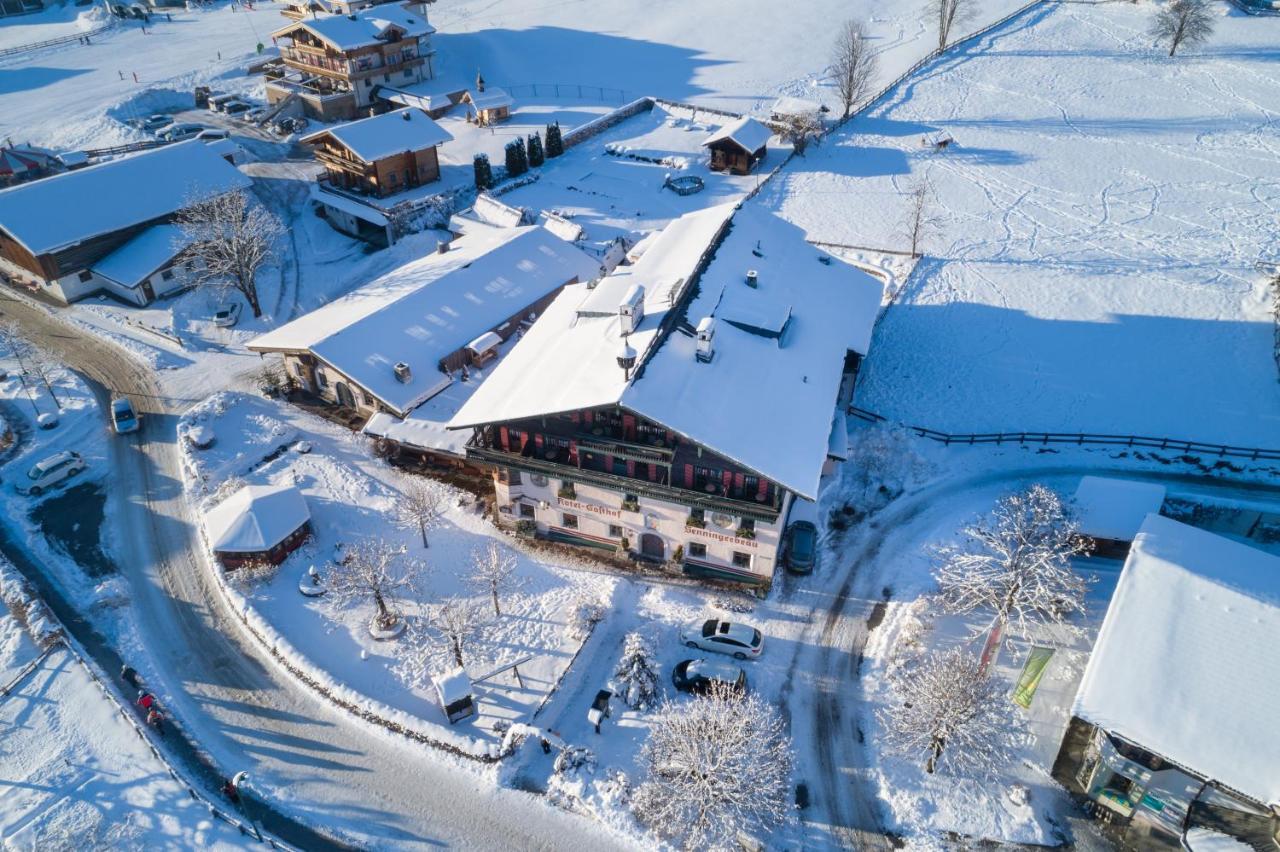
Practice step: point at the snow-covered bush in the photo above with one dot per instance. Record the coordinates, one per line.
(883, 462)
(588, 610)
(947, 714)
(574, 759)
(637, 674)
(713, 766)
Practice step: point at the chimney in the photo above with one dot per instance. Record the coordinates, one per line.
(753, 278)
(631, 309)
(442, 247)
(479, 82)
(706, 339)
(406, 116)
(403, 374)
(626, 359)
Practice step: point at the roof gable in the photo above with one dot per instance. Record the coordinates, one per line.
(747, 133)
(385, 135)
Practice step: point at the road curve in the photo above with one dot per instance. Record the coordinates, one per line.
(315, 762)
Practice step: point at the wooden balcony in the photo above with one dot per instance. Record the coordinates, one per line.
(354, 167)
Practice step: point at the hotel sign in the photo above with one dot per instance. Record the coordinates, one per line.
(604, 511)
(724, 538)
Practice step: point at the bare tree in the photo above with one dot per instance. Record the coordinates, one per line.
(20, 349)
(491, 571)
(1180, 22)
(920, 220)
(456, 620)
(712, 766)
(231, 238)
(803, 129)
(949, 714)
(374, 571)
(637, 673)
(853, 65)
(948, 13)
(1015, 563)
(421, 505)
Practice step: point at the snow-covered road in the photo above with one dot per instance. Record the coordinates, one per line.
(312, 761)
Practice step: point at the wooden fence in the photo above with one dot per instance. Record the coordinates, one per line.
(146, 145)
(1078, 439)
(53, 42)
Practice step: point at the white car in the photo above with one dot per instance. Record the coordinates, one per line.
(227, 315)
(153, 123)
(213, 134)
(51, 471)
(123, 418)
(178, 132)
(741, 640)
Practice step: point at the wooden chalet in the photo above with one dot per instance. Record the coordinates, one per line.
(334, 64)
(738, 146)
(382, 155)
(487, 105)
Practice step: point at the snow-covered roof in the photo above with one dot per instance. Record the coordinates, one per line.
(567, 361)
(140, 258)
(60, 211)
(1185, 664)
(783, 343)
(1208, 840)
(383, 135)
(255, 519)
(453, 686)
(431, 307)
(491, 211)
(788, 105)
(348, 204)
(366, 27)
(485, 342)
(747, 133)
(491, 98)
(1116, 508)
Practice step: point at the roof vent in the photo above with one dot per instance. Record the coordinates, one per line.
(706, 339)
(631, 309)
(442, 247)
(626, 359)
(403, 374)
(753, 278)
(406, 116)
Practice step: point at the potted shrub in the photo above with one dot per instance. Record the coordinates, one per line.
(696, 522)
(631, 503)
(567, 491)
(526, 528)
(746, 532)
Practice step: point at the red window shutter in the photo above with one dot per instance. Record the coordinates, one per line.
(537, 442)
(653, 473)
(737, 482)
(575, 417)
(505, 437)
(588, 416)
(631, 468)
(763, 490)
(573, 451)
(727, 479)
(629, 426)
(688, 476)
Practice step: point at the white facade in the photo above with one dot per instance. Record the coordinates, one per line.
(652, 528)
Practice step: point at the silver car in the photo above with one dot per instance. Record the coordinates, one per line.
(49, 472)
(741, 640)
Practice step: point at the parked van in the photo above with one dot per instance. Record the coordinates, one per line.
(217, 102)
(51, 471)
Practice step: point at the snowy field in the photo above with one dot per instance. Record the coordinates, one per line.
(1098, 221)
(56, 21)
(73, 773)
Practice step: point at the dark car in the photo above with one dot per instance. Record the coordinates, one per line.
(801, 547)
(696, 676)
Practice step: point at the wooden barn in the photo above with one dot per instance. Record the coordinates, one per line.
(259, 524)
(738, 146)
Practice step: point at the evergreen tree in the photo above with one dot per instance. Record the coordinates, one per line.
(517, 161)
(534, 149)
(484, 172)
(555, 144)
(637, 674)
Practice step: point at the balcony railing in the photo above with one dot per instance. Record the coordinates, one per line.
(766, 512)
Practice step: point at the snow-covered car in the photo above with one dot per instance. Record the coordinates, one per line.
(213, 134)
(48, 420)
(724, 637)
(697, 676)
(256, 114)
(49, 472)
(801, 547)
(217, 102)
(236, 107)
(123, 418)
(227, 315)
(152, 123)
(178, 132)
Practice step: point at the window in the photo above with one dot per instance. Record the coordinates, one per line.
(166, 275)
(615, 531)
(367, 397)
(513, 477)
(697, 517)
(299, 370)
(697, 550)
(321, 379)
(386, 78)
(741, 560)
(85, 275)
(526, 510)
(570, 522)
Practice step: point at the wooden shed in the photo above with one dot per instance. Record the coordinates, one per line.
(738, 146)
(259, 524)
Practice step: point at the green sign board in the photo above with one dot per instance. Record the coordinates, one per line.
(1032, 673)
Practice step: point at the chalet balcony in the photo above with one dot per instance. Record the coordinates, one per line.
(353, 167)
(634, 468)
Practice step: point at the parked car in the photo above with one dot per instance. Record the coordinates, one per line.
(236, 107)
(697, 676)
(213, 134)
(227, 315)
(255, 115)
(216, 102)
(178, 132)
(123, 418)
(51, 471)
(152, 123)
(741, 640)
(801, 547)
(48, 420)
